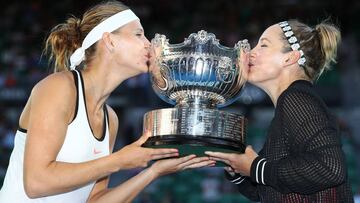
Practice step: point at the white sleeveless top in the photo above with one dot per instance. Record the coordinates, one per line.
(80, 145)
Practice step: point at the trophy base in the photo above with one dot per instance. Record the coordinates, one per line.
(195, 145)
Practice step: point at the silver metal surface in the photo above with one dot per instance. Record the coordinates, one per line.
(197, 68)
(197, 76)
(196, 122)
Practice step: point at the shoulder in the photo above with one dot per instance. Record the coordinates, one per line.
(55, 91)
(60, 82)
(300, 103)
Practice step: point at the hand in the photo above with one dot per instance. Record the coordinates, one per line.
(134, 156)
(229, 170)
(243, 64)
(167, 166)
(155, 68)
(240, 163)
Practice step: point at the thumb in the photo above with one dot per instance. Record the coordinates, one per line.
(249, 148)
(143, 138)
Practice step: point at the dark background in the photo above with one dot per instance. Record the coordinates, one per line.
(25, 25)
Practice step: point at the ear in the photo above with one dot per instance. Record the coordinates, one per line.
(292, 57)
(108, 41)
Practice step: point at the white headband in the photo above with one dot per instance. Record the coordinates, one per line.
(293, 41)
(110, 24)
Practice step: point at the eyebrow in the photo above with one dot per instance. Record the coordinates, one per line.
(265, 39)
(139, 30)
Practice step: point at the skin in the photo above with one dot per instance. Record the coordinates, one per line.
(119, 56)
(273, 71)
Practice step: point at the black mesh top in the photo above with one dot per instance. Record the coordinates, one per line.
(302, 159)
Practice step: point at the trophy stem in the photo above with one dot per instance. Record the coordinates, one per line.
(195, 102)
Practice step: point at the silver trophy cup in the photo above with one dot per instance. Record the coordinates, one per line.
(197, 76)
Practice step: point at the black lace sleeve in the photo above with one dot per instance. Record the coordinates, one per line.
(316, 161)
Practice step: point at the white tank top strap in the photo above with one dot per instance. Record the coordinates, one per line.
(106, 115)
(81, 105)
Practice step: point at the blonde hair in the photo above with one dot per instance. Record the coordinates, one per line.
(66, 37)
(319, 45)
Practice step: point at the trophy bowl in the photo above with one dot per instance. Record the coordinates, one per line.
(198, 76)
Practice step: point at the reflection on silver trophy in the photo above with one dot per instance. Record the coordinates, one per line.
(197, 76)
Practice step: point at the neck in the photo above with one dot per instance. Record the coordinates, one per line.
(100, 79)
(275, 87)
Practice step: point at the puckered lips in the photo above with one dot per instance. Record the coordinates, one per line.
(251, 64)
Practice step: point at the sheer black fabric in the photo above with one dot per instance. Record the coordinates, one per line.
(302, 159)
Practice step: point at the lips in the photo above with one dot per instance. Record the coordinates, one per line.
(251, 65)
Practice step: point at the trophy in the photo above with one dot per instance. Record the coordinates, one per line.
(198, 76)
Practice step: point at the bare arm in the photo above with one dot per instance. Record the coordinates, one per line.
(51, 110)
(128, 190)
(101, 185)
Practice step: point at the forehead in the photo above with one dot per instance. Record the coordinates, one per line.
(131, 26)
(273, 33)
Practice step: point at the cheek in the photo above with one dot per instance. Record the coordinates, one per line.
(269, 67)
(269, 62)
(127, 51)
(266, 68)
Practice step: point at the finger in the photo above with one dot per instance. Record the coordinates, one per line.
(142, 139)
(193, 161)
(220, 159)
(162, 156)
(200, 164)
(187, 158)
(249, 150)
(163, 151)
(229, 169)
(179, 161)
(249, 147)
(219, 155)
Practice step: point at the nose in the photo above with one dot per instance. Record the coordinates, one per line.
(147, 43)
(253, 52)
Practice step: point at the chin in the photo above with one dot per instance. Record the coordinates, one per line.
(141, 68)
(144, 69)
(254, 80)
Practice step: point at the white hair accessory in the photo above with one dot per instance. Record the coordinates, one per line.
(109, 25)
(293, 41)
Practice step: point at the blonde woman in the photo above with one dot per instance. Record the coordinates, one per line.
(302, 159)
